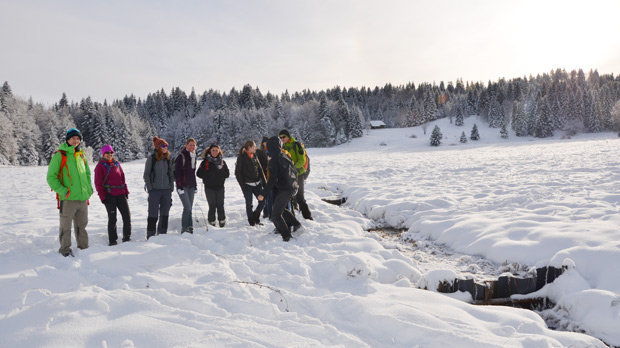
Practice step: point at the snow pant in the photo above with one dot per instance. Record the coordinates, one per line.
(215, 198)
(160, 202)
(187, 199)
(248, 192)
(75, 212)
(301, 200)
(283, 219)
(112, 203)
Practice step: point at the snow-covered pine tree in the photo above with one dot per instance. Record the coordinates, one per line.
(356, 126)
(246, 100)
(503, 131)
(463, 138)
(64, 101)
(459, 118)
(543, 127)
(436, 136)
(496, 112)
(342, 118)
(474, 133)
(326, 130)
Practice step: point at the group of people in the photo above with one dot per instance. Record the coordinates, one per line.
(274, 174)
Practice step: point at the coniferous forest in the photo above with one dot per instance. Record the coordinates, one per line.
(540, 106)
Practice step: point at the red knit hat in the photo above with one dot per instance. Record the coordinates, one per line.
(157, 142)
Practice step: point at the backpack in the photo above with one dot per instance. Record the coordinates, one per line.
(63, 163)
(300, 148)
(108, 187)
(287, 167)
(174, 161)
(153, 162)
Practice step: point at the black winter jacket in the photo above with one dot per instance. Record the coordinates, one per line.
(248, 170)
(213, 172)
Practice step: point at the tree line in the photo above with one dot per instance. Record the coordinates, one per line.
(539, 106)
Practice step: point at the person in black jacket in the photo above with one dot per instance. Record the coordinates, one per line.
(261, 153)
(213, 171)
(185, 177)
(283, 176)
(250, 177)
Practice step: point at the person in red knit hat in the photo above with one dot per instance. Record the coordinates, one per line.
(159, 180)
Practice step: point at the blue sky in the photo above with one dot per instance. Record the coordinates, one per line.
(109, 49)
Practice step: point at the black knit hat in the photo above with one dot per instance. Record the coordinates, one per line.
(73, 132)
(285, 132)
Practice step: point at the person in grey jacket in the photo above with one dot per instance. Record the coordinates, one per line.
(159, 181)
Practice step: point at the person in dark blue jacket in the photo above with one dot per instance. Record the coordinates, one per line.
(283, 176)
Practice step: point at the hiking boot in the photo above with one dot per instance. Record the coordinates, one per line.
(296, 227)
(212, 223)
(65, 254)
(126, 239)
(252, 222)
(222, 223)
(112, 243)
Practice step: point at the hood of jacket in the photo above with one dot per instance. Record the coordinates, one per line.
(274, 146)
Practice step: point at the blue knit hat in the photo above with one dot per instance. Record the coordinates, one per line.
(73, 132)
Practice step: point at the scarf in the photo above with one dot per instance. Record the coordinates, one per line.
(217, 161)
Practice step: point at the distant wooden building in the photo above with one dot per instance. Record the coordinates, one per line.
(376, 124)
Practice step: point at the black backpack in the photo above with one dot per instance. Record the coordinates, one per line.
(288, 172)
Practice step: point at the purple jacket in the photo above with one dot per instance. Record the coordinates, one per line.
(185, 175)
(115, 184)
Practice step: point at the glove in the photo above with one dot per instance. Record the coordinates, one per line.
(180, 192)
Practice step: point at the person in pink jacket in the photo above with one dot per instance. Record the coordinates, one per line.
(112, 189)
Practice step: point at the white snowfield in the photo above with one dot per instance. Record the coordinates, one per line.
(534, 202)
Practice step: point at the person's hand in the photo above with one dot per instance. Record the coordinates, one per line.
(260, 197)
(180, 192)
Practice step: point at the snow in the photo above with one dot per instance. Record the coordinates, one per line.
(499, 202)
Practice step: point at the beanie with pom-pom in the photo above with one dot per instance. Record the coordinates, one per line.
(158, 142)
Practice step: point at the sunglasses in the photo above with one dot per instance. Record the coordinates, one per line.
(109, 153)
(283, 136)
(164, 146)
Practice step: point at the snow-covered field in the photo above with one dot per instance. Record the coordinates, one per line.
(530, 202)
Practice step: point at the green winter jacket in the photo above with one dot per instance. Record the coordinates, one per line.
(76, 180)
(298, 155)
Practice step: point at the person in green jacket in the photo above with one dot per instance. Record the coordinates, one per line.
(298, 156)
(68, 175)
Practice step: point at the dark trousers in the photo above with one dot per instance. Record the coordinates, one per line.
(301, 200)
(248, 192)
(160, 202)
(268, 205)
(215, 198)
(283, 219)
(113, 203)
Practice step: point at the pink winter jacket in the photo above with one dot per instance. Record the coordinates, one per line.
(115, 184)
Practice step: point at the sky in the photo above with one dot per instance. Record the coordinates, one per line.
(335, 284)
(110, 49)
